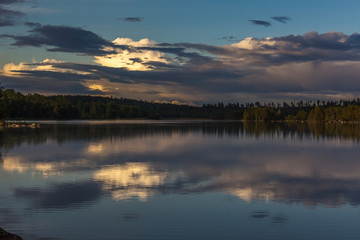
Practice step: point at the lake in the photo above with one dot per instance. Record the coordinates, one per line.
(180, 180)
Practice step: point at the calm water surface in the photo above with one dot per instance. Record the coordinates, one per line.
(180, 180)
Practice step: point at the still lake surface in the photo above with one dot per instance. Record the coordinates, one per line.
(180, 180)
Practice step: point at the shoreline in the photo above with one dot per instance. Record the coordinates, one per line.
(37, 123)
(19, 124)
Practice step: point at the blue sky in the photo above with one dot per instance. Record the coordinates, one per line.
(208, 30)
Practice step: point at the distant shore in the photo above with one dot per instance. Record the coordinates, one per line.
(37, 123)
(19, 124)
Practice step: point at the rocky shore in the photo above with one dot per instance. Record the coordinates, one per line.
(4, 235)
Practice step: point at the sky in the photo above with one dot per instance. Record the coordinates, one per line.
(185, 51)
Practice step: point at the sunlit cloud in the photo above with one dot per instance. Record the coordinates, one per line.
(63, 39)
(253, 43)
(47, 65)
(13, 69)
(97, 87)
(132, 60)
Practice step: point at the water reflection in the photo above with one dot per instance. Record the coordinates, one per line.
(130, 180)
(61, 195)
(291, 163)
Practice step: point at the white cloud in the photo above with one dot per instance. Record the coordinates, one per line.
(11, 69)
(253, 43)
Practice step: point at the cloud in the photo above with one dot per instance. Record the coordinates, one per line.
(32, 24)
(312, 46)
(47, 65)
(133, 19)
(282, 19)
(10, 1)
(261, 23)
(63, 39)
(230, 38)
(311, 65)
(140, 59)
(9, 17)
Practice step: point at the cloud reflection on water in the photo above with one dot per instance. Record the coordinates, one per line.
(135, 164)
(61, 195)
(130, 180)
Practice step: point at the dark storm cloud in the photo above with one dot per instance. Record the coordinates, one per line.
(73, 83)
(63, 76)
(32, 24)
(133, 19)
(8, 17)
(46, 82)
(64, 39)
(10, 1)
(312, 46)
(282, 19)
(65, 195)
(180, 52)
(336, 41)
(261, 23)
(180, 75)
(155, 65)
(207, 49)
(188, 76)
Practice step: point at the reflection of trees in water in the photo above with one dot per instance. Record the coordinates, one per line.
(304, 130)
(11, 137)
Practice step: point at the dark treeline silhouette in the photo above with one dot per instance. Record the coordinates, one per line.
(15, 105)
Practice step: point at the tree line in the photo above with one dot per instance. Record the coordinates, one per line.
(15, 105)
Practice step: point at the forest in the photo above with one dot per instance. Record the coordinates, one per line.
(17, 106)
